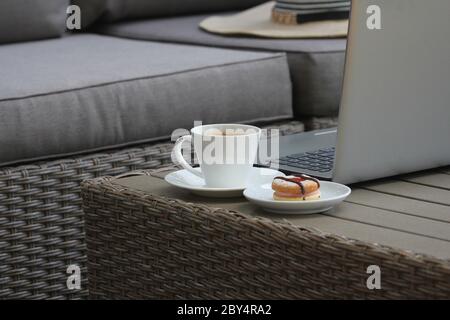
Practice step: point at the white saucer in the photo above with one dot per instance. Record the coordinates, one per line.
(331, 195)
(185, 180)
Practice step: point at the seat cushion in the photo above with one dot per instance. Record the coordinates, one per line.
(316, 65)
(23, 20)
(87, 92)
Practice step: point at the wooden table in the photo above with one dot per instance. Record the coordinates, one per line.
(147, 239)
(410, 212)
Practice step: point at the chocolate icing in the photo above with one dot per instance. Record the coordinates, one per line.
(299, 183)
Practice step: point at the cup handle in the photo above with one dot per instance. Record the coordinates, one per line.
(178, 156)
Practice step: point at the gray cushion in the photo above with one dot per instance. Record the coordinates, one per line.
(23, 20)
(317, 65)
(115, 10)
(87, 92)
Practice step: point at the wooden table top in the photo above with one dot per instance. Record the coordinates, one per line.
(410, 212)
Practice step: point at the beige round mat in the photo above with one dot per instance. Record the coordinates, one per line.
(257, 22)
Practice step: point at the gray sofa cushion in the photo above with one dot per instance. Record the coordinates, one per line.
(87, 92)
(115, 10)
(317, 65)
(23, 20)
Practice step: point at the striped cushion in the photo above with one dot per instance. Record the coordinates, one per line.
(301, 11)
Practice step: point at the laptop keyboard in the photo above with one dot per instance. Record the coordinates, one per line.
(321, 160)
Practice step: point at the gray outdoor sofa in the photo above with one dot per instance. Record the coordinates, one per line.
(104, 101)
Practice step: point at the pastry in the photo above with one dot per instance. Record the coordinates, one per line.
(293, 188)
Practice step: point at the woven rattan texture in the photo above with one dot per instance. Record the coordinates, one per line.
(42, 224)
(320, 123)
(142, 246)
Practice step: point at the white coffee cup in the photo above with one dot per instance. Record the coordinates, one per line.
(226, 153)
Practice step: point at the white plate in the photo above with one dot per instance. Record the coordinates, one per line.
(185, 180)
(331, 195)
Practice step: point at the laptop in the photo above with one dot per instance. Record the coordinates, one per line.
(395, 108)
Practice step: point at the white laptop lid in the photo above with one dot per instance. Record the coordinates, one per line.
(395, 108)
